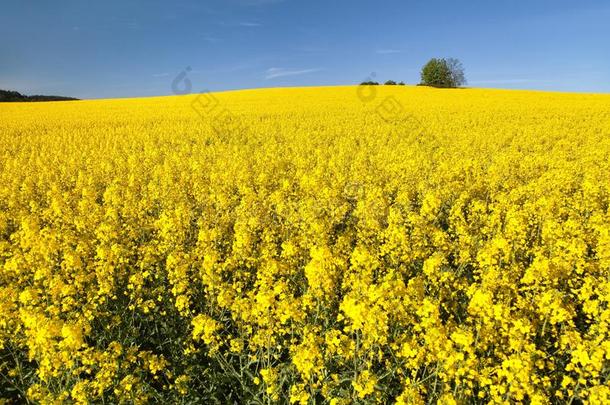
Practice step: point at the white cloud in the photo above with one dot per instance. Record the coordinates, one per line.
(249, 24)
(505, 81)
(133, 25)
(211, 40)
(274, 72)
(259, 2)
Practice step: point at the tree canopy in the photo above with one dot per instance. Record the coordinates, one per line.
(446, 73)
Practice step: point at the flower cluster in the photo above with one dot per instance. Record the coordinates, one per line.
(319, 253)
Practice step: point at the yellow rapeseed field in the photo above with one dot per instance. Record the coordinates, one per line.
(309, 245)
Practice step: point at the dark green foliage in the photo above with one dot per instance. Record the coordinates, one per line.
(8, 96)
(390, 83)
(369, 83)
(444, 73)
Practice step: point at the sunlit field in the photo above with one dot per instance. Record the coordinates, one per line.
(308, 245)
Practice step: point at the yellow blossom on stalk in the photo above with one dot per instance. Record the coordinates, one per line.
(270, 377)
(299, 395)
(307, 356)
(73, 336)
(364, 384)
(181, 384)
(205, 328)
(79, 393)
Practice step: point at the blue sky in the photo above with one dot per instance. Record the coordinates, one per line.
(123, 48)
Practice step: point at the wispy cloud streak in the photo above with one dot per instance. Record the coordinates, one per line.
(273, 73)
(249, 24)
(506, 81)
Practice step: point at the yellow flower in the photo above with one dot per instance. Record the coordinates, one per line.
(364, 384)
(205, 328)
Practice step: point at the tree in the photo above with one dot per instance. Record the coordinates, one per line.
(446, 73)
(369, 83)
(457, 72)
(390, 83)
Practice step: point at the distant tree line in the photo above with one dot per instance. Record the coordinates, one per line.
(438, 72)
(8, 96)
(388, 83)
